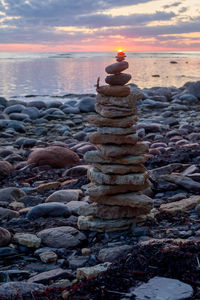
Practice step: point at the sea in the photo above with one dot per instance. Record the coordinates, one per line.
(59, 74)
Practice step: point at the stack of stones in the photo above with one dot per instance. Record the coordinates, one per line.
(117, 174)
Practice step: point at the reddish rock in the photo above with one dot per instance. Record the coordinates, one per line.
(55, 156)
(118, 79)
(5, 168)
(117, 90)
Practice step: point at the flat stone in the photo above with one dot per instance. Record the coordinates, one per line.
(163, 288)
(113, 111)
(98, 138)
(52, 209)
(124, 102)
(5, 237)
(116, 130)
(118, 79)
(100, 225)
(183, 181)
(180, 206)
(111, 212)
(48, 256)
(77, 261)
(117, 68)
(96, 191)
(65, 196)
(92, 272)
(61, 237)
(134, 200)
(96, 156)
(27, 239)
(125, 122)
(48, 186)
(125, 149)
(114, 253)
(120, 169)
(55, 156)
(14, 290)
(46, 277)
(74, 206)
(117, 90)
(132, 178)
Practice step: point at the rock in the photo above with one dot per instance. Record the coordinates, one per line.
(77, 261)
(135, 200)
(18, 116)
(48, 186)
(180, 206)
(3, 101)
(114, 253)
(101, 225)
(123, 102)
(97, 157)
(5, 237)
(189, 98)
(183, 181)
(120, 169)
(17, 126)
(48, 276)
(37, 103)
(98, 138)
(61, 237)
(98, 120)
(27, 239)
(14, 290)
(111, 212)
(5, 168)
(114, 151)
(14, 109)
(193, 88)
(74, 206)
(48, 256)
(117, 68)
(32, 112)
(55, 156)
(114, 111)
(45, 210)
(7, 251)
(132, 178)
(116, 130)
(92, 272)
(11, 194)
(86, 104)
(6, 213)
(118, 79)
(163, 288)
(168, 169)
(65, 196)
(77, 171)
(117, 90)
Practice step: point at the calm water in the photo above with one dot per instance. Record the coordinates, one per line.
(63, 73)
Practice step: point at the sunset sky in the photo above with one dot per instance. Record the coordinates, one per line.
(99, 25)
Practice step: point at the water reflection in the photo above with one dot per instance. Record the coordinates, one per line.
(51, 76)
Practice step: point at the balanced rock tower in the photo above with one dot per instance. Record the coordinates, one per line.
(117, 173)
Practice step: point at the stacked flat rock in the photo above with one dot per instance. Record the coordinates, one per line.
(117, 174)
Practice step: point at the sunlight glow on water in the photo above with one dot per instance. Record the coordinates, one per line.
(76, 73)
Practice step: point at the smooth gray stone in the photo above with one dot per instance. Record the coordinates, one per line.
(3, 101)
(53, 209)
(86, 104)
(32, 112)
(14, 109)
(16, 125)
(18, 116)
(161, 288)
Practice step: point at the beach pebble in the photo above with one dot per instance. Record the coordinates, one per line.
(16, 125)
(113, 253)
(49, 276)
(14, 109)
(36, 103)
(65, 196)
(11, 194)
(117, 67)
(163, 288)
(6, 213)
(188, 98)
(78, 261)
(48, 256)
(5, 168)
(19, 116)
(32, 112)
(55, 156)
(5, 237)
(13, 290)
(193, 88)
(74, 206)
(3, 101)
(86, 104)
(61, 237)
(53, 104)
(27, 239)
(45, 210)
(118, 79)
(77, 171)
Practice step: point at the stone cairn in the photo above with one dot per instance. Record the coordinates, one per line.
(117, 174)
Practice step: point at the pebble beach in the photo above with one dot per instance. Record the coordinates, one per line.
(43, 188)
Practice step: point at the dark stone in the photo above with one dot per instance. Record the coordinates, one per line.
(118, 79)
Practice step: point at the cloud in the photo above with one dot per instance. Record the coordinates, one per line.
(172, 5)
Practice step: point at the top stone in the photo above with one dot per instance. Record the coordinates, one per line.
(117, 67)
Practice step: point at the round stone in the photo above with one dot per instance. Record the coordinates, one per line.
(118, 79)
(117, 67)
(5, 237)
